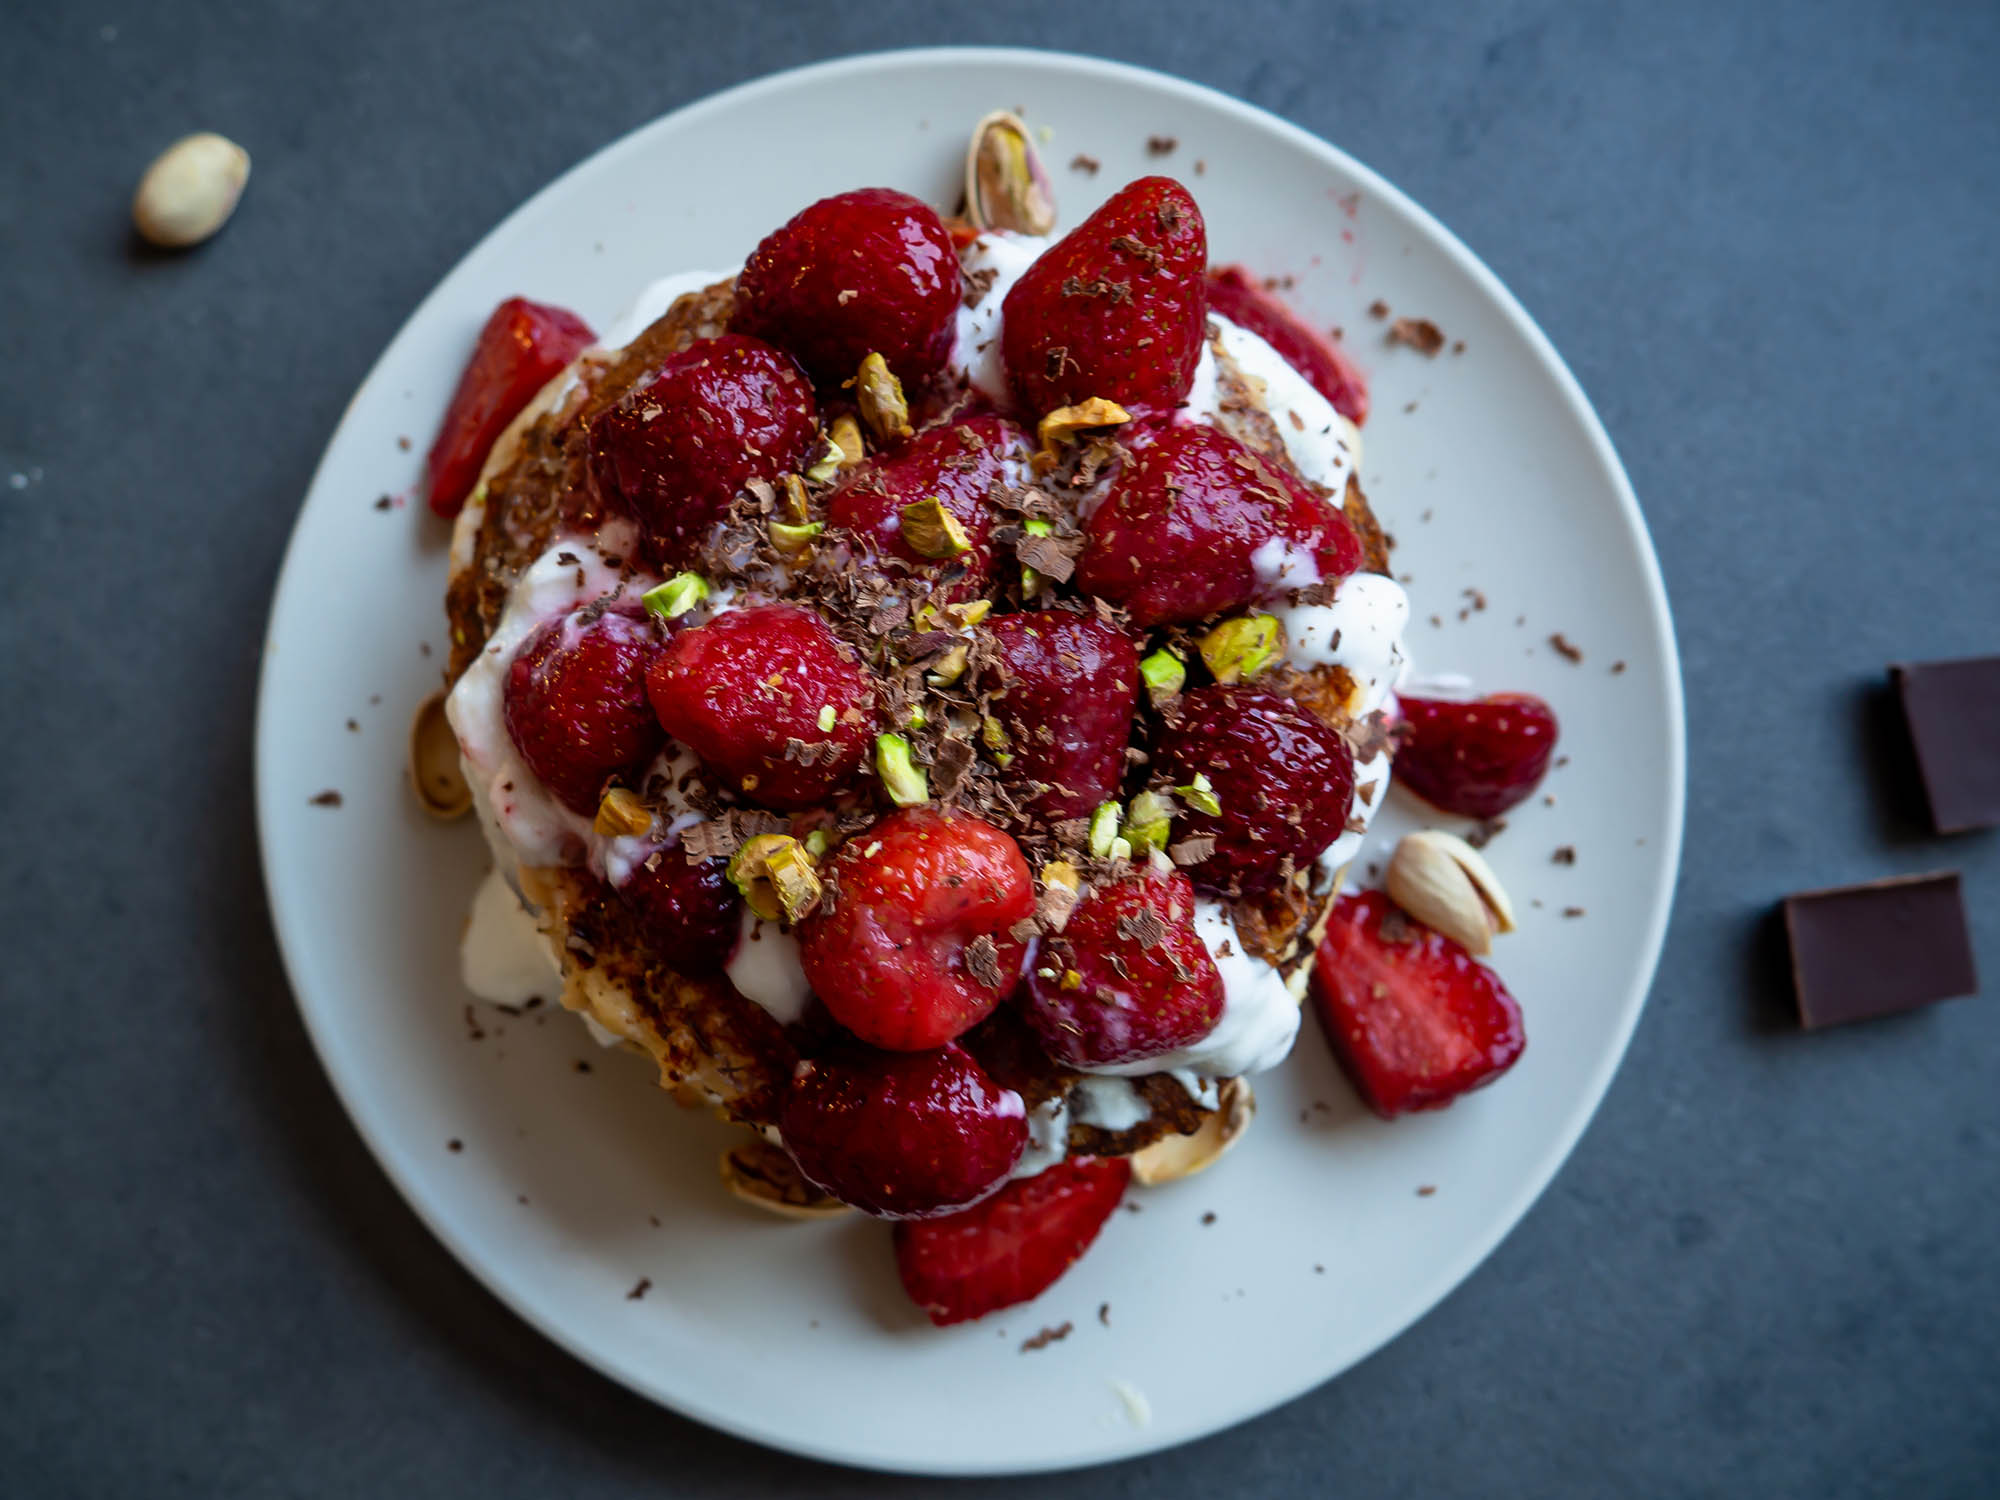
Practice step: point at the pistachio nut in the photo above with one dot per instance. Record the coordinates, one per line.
(436, 773)
(1104, 830)
(675, 597)
(1030, 579)
(845, 434)
(1446, 884)
(1200, 795)
(795, 541)
(1177, 1156)
(949, 667)
(1165, 675)
(621, 813)
(190, 190)
(879, 394)
(798, 505)
(902, 778)
(775, 873)
(1148, 821)
(1006, 185)
(932, 530)
(1238, 649)
(1065, 422)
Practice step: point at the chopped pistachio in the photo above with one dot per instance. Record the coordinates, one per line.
(798, 505)
(1121, 848)
(771, 871)
(620, 813)
(1200, 795)
(1006, 185)
(1071, 980)
(969, 615)
(1238, 649)
(1065, 422)
(845, 434)
(879, 394)
(827, 718)
(676, 596)
(994, 733)
(790, 870)
(902, 777)
(1165, 674)
(950, 667)
(1061, 872)
(1030, 579)
(917, 719)
(1104, 830)
(818, 842)
(932, 530)
(795, 541)
(1148, 821)
(828, 464)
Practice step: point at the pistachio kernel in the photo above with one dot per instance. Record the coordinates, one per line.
(818, 842)
(879, 394)
(969, 615)
(845, 434)
(827, 718)
(932, 530)
(795, 541)
(1200, 795)
(902, 778)
(993, 733)
(1071, 980)
(1165, 674)
(1148, 821)
(1061, 872)
(675, 597)
(1238, 649)
(1006, 185)
(1104, 830)
(828, 464)
(1064, 423)
(798, 506)
(621, 813)
(750, 871)
(917, 719)
(949, 667)
(789, 868)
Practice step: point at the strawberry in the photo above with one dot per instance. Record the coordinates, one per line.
(903, 1135)
(677, 449)
(1414, 1019)
(1012, 1247)
(956, 464)
(917, 946)
(1197, 524)
(574, 702)
(1233, 295)
(690, 912)
(867, 272)
(1116, 308)
(769, 698)
(1475, 759)
(521, 348)
(1065, 688)
(1128, 979)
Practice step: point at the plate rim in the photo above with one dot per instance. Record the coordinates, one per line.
(381, 1143)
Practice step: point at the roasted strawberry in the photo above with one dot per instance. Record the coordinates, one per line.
(1414, 1019)
(1197, 524)
(1065, 689)
(867, 272)
(1233, 295)
(956, 465)
(691, 912)
(917, 946)
(1283, 779)
(770, 700)
(1116, 308)
(575, 702)
(903, 1135)
(1476, 759)
(676, 450)
(1129, 977)
(1014, 1246)
(519, 351)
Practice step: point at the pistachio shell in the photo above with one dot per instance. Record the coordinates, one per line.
(760, 1173)
(436, 774)
(1446, 884)
(190, 190)
(1006, 185)
(1176, 1156)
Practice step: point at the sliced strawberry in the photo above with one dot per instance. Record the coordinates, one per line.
(868, 272)
(1414, 1019)
(1116, 308)
(1233, 295)
(903, 1135)
(1475, 759)
(1012, 1247)
(918, 945)
(519, 351)
(1197, 525)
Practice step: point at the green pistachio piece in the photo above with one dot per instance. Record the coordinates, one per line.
(772, 871)
(1165, 674)
(902, 777)
(879, 394)
(950, 667)
(795, 541)
(932, 530)
(1237, 650)
(1201, 795)
(827, 718)
(845, 434)
(828, 464)
(676, 596)
(1148, 821)
(1104, 830)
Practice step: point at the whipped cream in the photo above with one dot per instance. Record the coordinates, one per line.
(765, 970)
(1048, 1137)
(976, 354)
(503, 957)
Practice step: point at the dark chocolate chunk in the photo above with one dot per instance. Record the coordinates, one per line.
(1863, 951)
(1953, 710)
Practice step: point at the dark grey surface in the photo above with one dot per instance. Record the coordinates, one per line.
(1764, 238)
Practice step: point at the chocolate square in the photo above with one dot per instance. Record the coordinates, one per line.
(1953, 710)
(1863, 951)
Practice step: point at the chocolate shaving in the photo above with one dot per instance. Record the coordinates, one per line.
(1051, 556)
(1053, 906)
(1192, 851)
(327, 798)
(1421, 334)
(982, 960)
(1143, 927)
(1564, 855)
(1048, 1336)
(1563, 648)
(953, 759)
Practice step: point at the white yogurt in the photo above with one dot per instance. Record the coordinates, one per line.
(1321, 443)
(503, 957)
(976, 354)
(1048, 1137)
(766, 971)
(652, 303)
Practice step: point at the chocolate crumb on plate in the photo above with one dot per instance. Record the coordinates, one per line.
(1563, 647)
(1420, 334)
(639, 1289)
(1161, 145)
(1051, 1335)
(1104, 1313)
(1378, 309)
(1209, 1217)
(1863, 951)
(1085, 164)
(327, 798)
(1572, 911)
(1426, 1190)
(454, 1144)
(1953, 712)
(1565, 855)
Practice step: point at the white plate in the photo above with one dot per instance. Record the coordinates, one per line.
(798, 1336)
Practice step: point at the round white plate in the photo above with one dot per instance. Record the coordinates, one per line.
(571, 1189)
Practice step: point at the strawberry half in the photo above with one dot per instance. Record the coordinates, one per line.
(1014, 1246)
(519, 351)
(1116, 308)
(1414, 1019)
(1233, 295)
